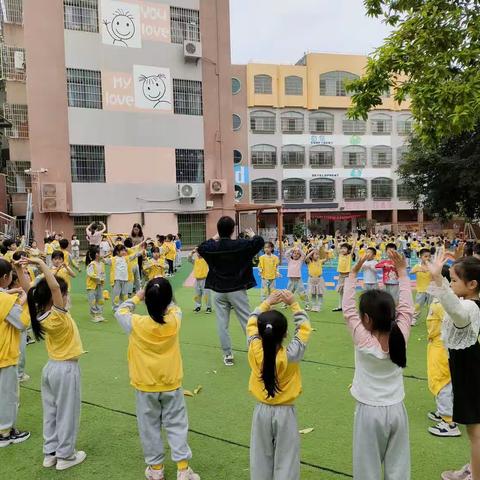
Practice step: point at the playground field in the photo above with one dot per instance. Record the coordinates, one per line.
(220, 413)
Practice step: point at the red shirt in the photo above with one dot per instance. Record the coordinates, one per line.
(390, 274)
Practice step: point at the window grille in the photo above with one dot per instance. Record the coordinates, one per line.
(322, 189)
(355, 189)
(88, 163)
(293, 156)
(187, 97)
(81, 222)
(12, 11)
(382, 188)
(332, 84)
(354, 157)
(263, 84)
(293, 85)
(354, 127)
(189, 166)
(264, 156)
(321, 122)
(381, 156)
(292, 122)
(381, 125)
(401, 155)
(17, 180)
(84, 88)
(322, 156)
(192, 227)
(262, 122)
(184, 25)
(404, 125)
(293, 190)
(264, 190)
(236, 122)
(13, 63)
(17, 115)
(403, 192)
(81, 15)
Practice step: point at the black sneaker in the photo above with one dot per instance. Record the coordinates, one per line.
(434, 417)
(197, 310)
(208, 310)
(228, 360)
(337, 310)
(14, 437)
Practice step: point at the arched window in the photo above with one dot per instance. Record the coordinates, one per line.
(264, 190)
(236, 85)
(381, 156)
(263, 84)
(322, 156)
(403, 193)
(293, 156)
(262, 121)
(293, 190)
(264, 156)
(404, 124)
(354, 156)
(354, 127)
(237, 156)
(292, 122)
(293, 85)
(382, 188)
(381, 124)
(401, 154)
(236, 122)
(354, 189)
(322, 189)
(321, 122)
(332, 84)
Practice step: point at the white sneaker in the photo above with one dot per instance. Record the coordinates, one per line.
(228, 360)
(434, 417)
(444, 429)
(187, 474)
(75, 459)
(307, 308)
(315, 309)
(151, 474)
(24, 377)
(95, 319)
(462, 474)
(49, 461)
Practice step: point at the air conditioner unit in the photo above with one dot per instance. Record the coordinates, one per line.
(218, 186)
(187, 190)
(192, 50)
(53, 197)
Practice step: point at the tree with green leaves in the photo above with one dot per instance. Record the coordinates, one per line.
(431, 57)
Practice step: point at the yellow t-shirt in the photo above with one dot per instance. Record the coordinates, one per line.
(154, 358)
(268, 265)
(315, 268)
(9, 335)
(95, 271)
(171, 251)
(48, 249)
(9, 256)
(200, 268)
(62, 273)
(423, 279)
(62, 337)
(155, 268)
(344, 263)
(55, 245)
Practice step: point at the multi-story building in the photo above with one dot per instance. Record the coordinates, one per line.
(121, 111)
(306, 154)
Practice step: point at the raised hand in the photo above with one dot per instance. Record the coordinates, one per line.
(398, 260)
(287, 297)
(435, 267)
(358, 266)
(275, 297)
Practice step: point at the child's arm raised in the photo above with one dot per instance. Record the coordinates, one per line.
(52, 283)
(126, 309)
(303, 329)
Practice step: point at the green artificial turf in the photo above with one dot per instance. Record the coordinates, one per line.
(220, 414)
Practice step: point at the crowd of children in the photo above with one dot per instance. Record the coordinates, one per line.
(34, 294)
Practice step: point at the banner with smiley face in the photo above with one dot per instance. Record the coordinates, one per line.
(121, 24)
(153, 88)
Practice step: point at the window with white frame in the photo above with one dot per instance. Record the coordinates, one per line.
(382, 188)
(262, 84)
(322, 189)
(402, 154)
(264, 190)
(81, 15)
(12, 63)
(293, 85)
(17, 115)
(403, 192)
(322, 156)
(332, 84)
(187, 97)
(292, 122)
(321, 122)
(262, 122)
(88, 163)
(381, 124)
(354, 189)
(236, 85)
(354, 126)
(381, 156)
(294, 190)
(354, 156)
(264, 156)
(12, 11)
(189, 165)
(84, 88)
(17, 180)
(404, 124)
(293, 156)
(184, 25)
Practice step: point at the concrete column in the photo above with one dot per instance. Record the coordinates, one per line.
(308, 217)
(420, 220)
(395, 221)
(369, 215)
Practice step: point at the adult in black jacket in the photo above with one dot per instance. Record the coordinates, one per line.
(230, 275)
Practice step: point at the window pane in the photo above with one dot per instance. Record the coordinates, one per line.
(184, 25)
(81, 15)
(321, 123)
(322, 190)
(81, 222)
(293, 190)
(189, 166)
(264, 190)
(88, 163)
(84, 88)
(263, 84)
(236, 121)
(236, 85)
(293, 85)
(354, 189)
(237, 156)
(332, 84)
(264, 156)
(193, 228)
(262, 122)
(187, 97)
(382, 188)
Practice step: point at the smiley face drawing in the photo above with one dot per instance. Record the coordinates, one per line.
(122, 27)
(154, 88)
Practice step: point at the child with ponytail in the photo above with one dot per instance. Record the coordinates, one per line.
(380, 333)
(61, 375)
(276, 383)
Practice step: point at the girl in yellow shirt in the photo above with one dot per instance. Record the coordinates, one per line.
(316, 283)
(156, 373)
(61, 375)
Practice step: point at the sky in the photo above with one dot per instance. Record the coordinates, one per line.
(281, 31)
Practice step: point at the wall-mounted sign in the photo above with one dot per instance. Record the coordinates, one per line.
(337, 140)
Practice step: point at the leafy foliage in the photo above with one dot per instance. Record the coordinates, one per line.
(432, 57)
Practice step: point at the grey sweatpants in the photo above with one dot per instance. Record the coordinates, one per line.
(444, 401)
(393, 290)
(380, 437)
(95, 300)
(61, 398)
(137, 282)
(267, 287)
(202, 292)
(119, 293)
(22, 360)
(275, 443)
(167, 410)
(8, 397)
(223, 303)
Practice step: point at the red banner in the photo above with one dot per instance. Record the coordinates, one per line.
(346, 216)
